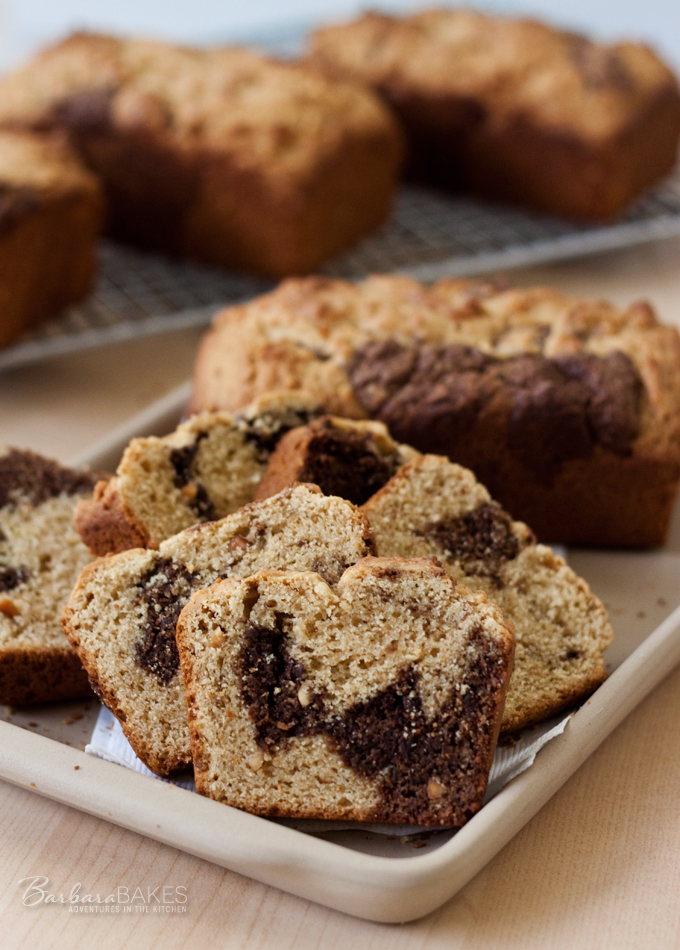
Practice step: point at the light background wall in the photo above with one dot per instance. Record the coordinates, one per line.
(27, 24)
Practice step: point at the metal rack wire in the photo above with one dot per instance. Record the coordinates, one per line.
(430, 234)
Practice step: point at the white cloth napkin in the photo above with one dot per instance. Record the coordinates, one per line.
(108, 742)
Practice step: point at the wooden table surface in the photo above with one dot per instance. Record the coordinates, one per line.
(597, 867)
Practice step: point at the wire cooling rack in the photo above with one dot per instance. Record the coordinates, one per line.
(430, 234)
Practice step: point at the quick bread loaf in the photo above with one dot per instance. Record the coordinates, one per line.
(51, 211)
(377, 699)
(222, 155)
(515, 109)
(568, 410)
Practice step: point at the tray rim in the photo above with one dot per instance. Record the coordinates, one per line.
(377, 888)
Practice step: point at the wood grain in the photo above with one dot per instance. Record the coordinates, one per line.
(596, 868)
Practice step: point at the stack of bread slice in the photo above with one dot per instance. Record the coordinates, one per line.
(312, 658)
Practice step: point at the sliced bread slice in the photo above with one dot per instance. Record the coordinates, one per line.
(41, 556)
(433, 507)
(122, 614)
(345, 457)
(377, 699)
(206, 469)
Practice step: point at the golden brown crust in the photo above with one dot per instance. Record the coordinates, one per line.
(47, 194)
(167, 764)
(603, 501)
(221, 155)
(515, 109)
(522, 163)
(207, 468)
(34, 675)
(285, 464)
(105, 525)
(306, 335)
(567, 699)
(344, 457)
(239, 218)
(267, 767)
(40, 558)
(122, 611)
(434, 508)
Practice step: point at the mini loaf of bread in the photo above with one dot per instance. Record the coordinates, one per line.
(221, 155)
(568, 410)
(206, 469)
(377, 699)
(514, 109)
(51, 210)
(123, 611)
(435, 508)
(41, 556)
(343, 457)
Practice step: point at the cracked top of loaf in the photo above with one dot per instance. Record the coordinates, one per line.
(227, 99)
(359, 349)
(561, 80)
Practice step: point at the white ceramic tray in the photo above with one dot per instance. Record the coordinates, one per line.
(367, 875)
